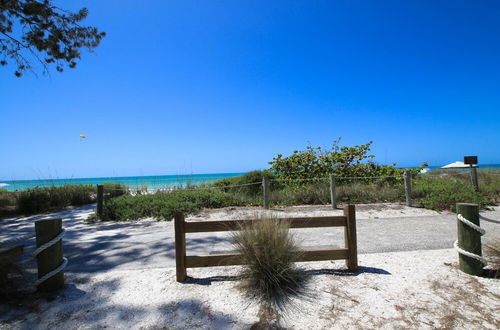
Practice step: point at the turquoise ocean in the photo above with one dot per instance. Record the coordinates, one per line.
(151, 182)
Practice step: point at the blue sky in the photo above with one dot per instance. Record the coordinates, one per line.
(181, 87)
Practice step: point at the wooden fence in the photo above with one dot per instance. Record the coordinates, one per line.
(183, 261)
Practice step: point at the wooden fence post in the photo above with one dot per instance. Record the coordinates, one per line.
(265, 186)
(469, 239)
(333, 194)
(407, 179)
(52, 257)
(100, 200)
(350, 237)
(180, 246)
(473, 177)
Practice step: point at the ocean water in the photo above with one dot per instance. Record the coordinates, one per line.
(152, 182)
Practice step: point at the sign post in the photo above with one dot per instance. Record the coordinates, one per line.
(472, 162)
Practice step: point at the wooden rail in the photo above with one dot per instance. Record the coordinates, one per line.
(183, 261)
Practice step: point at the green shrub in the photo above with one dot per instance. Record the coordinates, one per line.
(442, 193)
(342, 160)
(269, 275)
(162, 205)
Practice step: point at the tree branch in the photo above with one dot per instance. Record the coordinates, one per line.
(13, 39)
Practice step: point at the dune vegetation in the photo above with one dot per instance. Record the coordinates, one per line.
(298, 179)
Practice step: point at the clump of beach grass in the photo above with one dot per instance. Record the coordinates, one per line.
(270, 276)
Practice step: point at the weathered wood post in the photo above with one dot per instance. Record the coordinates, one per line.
(52, 257)
(180, 246)
(350, 237)
(100, 200)
(469, 239)
(473, 177)
(407, 179)
(265, 186)
(333, 194)
(472, 162)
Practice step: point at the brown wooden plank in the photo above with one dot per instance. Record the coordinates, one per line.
(235, 259)
(319, 255)
(213, 260)
(180, 246)
(229, 225)
(350, 238)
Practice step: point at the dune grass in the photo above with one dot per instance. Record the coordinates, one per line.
(270, 276)
(39, 200)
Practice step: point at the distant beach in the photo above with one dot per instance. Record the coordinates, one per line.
(151, 182)
(488, 167)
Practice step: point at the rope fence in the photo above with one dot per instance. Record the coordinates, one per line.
(176, 188)
(406, 178)
(482, 217)
(469, 235)
(46, 246)
(51, 230)
(481, 232)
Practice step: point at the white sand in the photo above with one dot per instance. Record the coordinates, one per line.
(363, 211)
(418, 290)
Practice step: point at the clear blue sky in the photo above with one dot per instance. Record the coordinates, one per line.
(181, 87)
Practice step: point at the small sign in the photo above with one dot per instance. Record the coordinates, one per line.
(470, 160)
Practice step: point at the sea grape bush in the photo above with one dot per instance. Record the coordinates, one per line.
(343, 161)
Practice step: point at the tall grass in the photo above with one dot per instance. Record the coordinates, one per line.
(44, 199)
(318, 193)
(37, 200)
(270, 276)
(7, 198)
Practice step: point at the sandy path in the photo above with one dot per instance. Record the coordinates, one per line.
(417, 290)
(150, 244)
